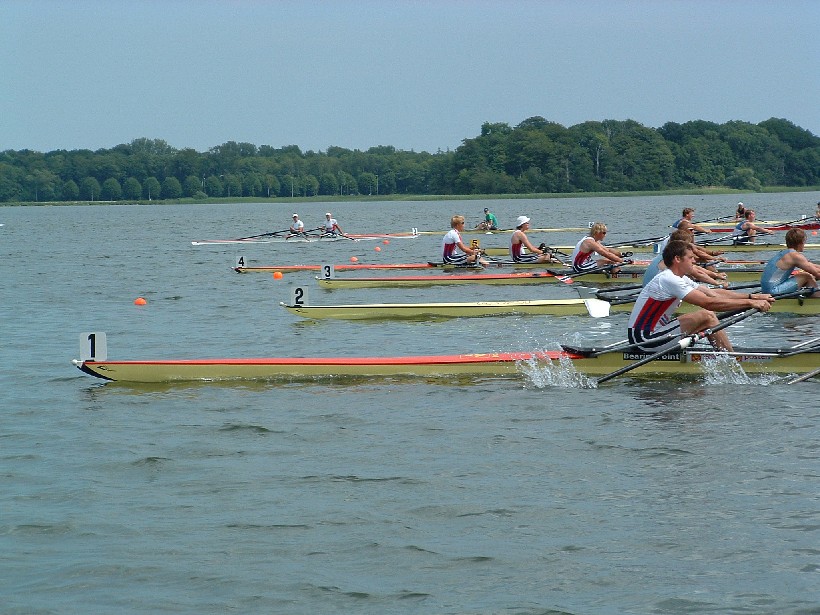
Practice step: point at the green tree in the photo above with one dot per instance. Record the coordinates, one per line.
(328, 184)
(743, 178)
(232, 186)
(132, 189)
(71, 191)
(251, 184)
(310, 185)
(41, 185)
(11, 178)
(171, 188)
(270, 184)
(111, 190)
(90, 189)
(151, 189)
(367, 184)
(213, 187)
(192, 185)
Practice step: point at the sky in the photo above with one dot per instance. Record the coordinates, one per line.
(420, 75)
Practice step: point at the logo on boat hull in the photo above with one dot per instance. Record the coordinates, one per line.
(637, 356)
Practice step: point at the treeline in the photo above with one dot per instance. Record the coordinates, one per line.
(536, 156)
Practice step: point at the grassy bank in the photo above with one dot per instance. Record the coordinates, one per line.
(426, 197)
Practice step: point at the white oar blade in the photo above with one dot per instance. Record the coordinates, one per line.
(597, 308)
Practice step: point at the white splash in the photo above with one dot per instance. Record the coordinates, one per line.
(724, 369)
(559, 373)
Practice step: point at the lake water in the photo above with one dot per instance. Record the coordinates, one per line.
(525, 496)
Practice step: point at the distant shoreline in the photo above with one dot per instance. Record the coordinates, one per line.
(418, 197)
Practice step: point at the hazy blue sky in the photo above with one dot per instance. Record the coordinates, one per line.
(420, 75)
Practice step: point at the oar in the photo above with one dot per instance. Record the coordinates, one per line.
(569, 279)
(679, 344)
(721, 219)
(811, 374)
(718, 239)
(271, 234)
(796, 222)
(587, 292)
(741, 286)
(637, 242)
(597, 308)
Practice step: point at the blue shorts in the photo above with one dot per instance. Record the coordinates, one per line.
(789, 286)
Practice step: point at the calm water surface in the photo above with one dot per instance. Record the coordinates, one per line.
(526, 496)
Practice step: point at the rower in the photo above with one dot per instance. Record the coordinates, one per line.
(740, 212)
(700, 274)
(490, 221)
(685, 223)
(582, 259)
(652, 322)
(453, 249)
(746, 229)
(519, 241)
(297, 227)
(779, 273)
(330, 226)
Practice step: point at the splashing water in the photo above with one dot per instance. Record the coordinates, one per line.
(558, 373)
(724, 369)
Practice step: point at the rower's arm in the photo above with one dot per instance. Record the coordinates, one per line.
(805, 264)
(606, 252)
(721, 300)
(526, 241)
(465, 249)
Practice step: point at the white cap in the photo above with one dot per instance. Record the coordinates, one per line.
(295, 215)
(328, 214)
(740, 203)
(521, 221)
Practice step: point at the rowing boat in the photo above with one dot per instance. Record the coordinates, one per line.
(650, 247)
(535, 277)
(809, 224)
(476, 231)
(341, 267)
(547, 307)
(509, 364)
(305, 238)
(428, 265)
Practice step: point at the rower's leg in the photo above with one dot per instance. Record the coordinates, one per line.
(702, 320)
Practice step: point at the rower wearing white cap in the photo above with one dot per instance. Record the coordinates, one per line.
(519, 241)
(297, 227)
(330, 226)
(740, 213)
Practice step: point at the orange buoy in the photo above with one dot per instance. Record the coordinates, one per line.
(277, 275)
(353, 259)
(377, 249)
(140, 301)
(386, 242)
